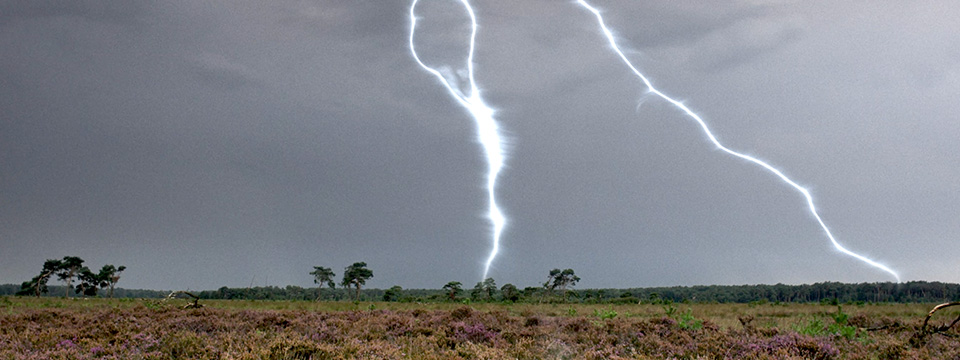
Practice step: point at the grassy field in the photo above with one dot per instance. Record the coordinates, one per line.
(53, 328)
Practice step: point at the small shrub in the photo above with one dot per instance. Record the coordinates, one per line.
(813, 327)
(687, 321)
(604, 314)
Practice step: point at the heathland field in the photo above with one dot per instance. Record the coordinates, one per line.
(50, 328)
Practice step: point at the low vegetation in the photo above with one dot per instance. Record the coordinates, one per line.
(55, 328)
(551, 321)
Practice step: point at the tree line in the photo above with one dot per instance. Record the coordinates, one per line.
(828, 292)
(558, 288)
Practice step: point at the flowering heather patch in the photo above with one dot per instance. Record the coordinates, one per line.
(149, 331)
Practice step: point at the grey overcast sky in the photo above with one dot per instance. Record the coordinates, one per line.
(229, 143)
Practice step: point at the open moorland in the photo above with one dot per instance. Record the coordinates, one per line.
(52, 328)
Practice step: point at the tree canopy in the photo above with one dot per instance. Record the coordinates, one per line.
(66, 270)
(356, 275)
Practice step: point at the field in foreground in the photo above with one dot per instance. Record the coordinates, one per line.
(149, 329)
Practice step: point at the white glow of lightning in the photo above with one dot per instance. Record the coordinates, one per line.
(706, 130)
(488, 132)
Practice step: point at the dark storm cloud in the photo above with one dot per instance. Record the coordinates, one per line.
(205, 144)
(124, 12)
(676, 22)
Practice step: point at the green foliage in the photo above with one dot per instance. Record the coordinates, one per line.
(38, 285)
(489, 288)
(393, 294)
(108, 276)
(847, 332)
(324, 275)
(840, 317)
(153, 305)
(670, 310)
(509, 292)
(89, 282)
(357, 276)
(604, 314)
(830, 301)
(687, 321)
(453, 289)
(561, 279)
(476, 294)
(66, 270)
(866, 294)
(839, 328)
(812, 327)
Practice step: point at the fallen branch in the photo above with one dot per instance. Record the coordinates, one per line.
(194, 305)
(919, 337)
(941, 328)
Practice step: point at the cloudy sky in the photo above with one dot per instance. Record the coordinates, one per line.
(206, 144)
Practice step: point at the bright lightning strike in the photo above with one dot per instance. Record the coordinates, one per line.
(488, 132)
(706, 130)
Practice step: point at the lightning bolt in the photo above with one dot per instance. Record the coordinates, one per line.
(713, 139)
(488, 132)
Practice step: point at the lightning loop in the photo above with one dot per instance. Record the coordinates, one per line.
(652, 90)
(488, 132)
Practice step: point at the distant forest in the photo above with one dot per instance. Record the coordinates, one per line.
(827, 292)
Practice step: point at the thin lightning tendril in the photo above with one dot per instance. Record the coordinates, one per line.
(713, 139)
(488, 133)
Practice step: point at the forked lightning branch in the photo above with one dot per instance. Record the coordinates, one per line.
(489, 136)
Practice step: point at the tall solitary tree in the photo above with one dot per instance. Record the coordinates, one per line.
(109, 275)
(562, 279)
(70, 266)
(323, 275)
(489, 288)
(453, 289)
(477, 292)
(510, 292)
(356, 275)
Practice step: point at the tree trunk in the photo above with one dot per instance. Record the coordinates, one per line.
(73, 272)
(358, 292)
(40, 280)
